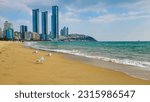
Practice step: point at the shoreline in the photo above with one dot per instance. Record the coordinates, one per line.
(130, 70)
(18, 67)
(121, 59)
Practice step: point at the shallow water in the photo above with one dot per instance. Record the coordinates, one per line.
(128, 53)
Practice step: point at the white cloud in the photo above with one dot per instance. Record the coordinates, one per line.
(2, 20)
(13, 5)
(24, 5)
(98, 8)
(131, 15)
(140, 5)
(69, 17)
(17, 23)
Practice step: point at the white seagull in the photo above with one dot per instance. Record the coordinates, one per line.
(36, 51)
(40, 60)
(49, 54)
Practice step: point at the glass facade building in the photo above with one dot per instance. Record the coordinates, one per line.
(9, 34)
(55, 22)
(23, 30)
(35, 20)
(64, 31)
(44, 35)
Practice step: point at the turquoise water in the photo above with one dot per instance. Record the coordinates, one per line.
(129, 53)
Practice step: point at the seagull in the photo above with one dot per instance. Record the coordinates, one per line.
(49, 54)
(36, 51)
(40, 60)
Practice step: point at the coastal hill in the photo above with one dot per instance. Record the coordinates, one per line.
(77, 37)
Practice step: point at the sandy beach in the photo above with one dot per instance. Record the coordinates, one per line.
(18, 67)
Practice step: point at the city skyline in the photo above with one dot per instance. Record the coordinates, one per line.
(103, 20)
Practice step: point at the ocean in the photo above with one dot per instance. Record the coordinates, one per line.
(134, 53)
(129, 57)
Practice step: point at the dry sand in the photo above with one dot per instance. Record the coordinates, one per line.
(18, 67)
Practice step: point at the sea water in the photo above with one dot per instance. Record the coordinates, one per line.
(128, 53)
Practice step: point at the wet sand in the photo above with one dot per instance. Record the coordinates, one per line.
(134, 71)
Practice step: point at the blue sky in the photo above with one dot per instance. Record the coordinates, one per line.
(103, 19)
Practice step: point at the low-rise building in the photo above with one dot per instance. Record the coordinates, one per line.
(17, 36)
(28, 36)
(35, 36)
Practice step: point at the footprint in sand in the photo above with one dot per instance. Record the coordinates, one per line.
(8, 68)
(6, 55)
(6, 74)
(2, 60)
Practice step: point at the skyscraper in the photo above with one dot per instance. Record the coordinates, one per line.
(9, 34)
(26, 28)
(23, 30)
(55, 22)
(44, 17)
(67, 31)
(7, 25)
(64, 31)
(8, 31)
(35, 20)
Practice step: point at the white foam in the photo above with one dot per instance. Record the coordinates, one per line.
(142, 64)
(29, 44)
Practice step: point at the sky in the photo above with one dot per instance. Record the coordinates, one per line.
(105, 20)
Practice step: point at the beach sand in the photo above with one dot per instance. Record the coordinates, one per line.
(18, 67)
